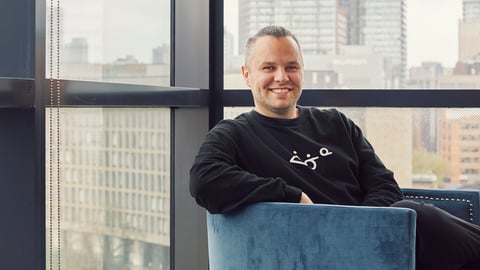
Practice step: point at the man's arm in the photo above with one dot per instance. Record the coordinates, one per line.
(219, 184)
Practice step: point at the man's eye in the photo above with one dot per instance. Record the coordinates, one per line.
(291, 68)
(268, 68)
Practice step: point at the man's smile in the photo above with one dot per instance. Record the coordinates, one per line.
(280, 90)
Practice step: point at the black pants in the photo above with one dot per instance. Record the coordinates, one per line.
(443, 240)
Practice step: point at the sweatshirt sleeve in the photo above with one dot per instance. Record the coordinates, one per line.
(218, 183)
(377, 182)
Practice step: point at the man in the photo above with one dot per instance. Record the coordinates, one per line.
(282, 152)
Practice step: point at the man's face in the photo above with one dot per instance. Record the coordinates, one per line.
(274, 72)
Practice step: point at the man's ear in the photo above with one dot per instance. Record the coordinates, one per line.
(245, 75)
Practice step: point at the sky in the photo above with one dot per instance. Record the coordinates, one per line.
(432, 31)
(432, 27)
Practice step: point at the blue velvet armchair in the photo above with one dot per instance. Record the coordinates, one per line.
(276, 236)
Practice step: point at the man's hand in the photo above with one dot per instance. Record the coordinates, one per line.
(305, 199)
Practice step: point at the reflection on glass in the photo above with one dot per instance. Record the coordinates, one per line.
(114, 209)
(364, 44)
(112, 41)
(424, 147)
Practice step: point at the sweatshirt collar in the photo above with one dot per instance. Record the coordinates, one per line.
(280, 121)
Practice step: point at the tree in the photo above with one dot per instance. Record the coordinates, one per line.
(424, 162)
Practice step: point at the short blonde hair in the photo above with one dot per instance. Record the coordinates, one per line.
(273, 31)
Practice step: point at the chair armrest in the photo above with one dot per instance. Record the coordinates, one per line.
(289, 236)
(461, 203)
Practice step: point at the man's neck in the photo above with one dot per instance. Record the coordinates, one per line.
(290, 114)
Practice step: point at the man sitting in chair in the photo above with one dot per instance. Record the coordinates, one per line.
(283, 152)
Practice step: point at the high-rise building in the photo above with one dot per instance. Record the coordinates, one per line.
(471, 10)
(76, 51)
(161, 54)
(469, 39)
(382, 25)
(320, 26)
(460, 145)
(425, 128)
(352, 12)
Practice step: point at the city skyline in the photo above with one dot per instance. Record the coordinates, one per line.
(106, 45)
(446, 17)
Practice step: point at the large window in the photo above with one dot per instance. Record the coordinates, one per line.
(387, 46)
(357, 44)
(108, 170)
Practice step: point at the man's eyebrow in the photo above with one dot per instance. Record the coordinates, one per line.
(268, 63)
(293, 63)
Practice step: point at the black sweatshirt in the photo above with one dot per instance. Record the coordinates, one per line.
(254, 158)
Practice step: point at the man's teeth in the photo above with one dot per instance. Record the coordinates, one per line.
(280, 91)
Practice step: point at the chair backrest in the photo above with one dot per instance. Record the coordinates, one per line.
(283, 236)
(464, 204)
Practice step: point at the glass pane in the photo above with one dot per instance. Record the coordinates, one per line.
(110, 41)
(424, 147)
(113, 180)
(366, 44)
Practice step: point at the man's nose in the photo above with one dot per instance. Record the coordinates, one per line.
(281, 75)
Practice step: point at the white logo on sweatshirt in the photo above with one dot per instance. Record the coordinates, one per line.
(310, 161)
